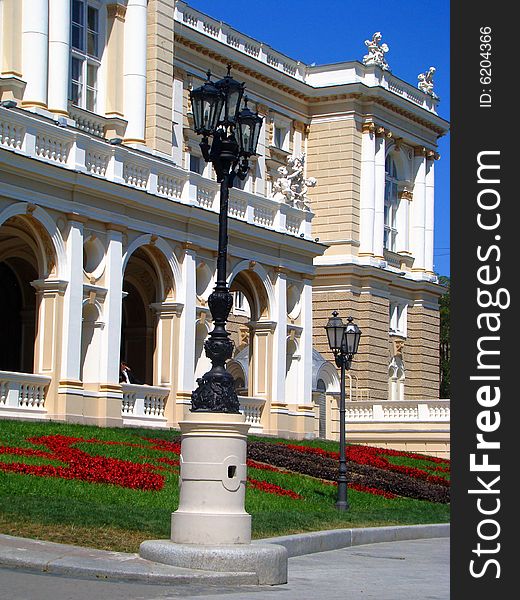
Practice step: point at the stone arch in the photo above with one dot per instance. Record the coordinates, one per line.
(164, 258)
(254, 332)
(148, 283)
(39, 225)
(31, 253)
(257, 284)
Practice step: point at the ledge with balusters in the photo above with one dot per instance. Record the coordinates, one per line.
(80, 147)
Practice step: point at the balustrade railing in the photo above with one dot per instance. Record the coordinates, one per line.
(252, 409)
(144, 405)
(398, 411)
(71, 148)
(23, 394)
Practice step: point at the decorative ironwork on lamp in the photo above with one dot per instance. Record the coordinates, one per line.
(217, 114)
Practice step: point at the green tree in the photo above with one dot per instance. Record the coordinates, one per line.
(444, 307)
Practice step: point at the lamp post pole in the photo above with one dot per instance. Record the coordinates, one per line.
(342, 501)
(217, 114)
(344, 342)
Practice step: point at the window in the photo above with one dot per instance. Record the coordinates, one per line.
(196, 164)
(391, 205)
(398, 318)
(240, 304)
(85, 54)
(280, 136)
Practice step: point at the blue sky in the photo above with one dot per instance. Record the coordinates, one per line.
(418, 34)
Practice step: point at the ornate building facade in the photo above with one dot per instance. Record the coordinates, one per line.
(108, 226)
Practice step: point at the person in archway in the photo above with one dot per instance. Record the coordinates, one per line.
(126, 375)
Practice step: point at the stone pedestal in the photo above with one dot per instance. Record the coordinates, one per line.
(213, 479)
(211, 529)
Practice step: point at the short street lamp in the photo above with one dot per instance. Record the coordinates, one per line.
(344, 342)
(217, 114)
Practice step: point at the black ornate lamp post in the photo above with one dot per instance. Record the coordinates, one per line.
(344, 342)
(234, 132)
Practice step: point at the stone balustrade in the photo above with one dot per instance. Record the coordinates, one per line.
(252, 409)
(144, 405)
(23, 395)
(74, 149)
(222, 32)
(398, 411)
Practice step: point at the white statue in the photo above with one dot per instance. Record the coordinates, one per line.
(291, 186)
(376, 52)
(426, 82)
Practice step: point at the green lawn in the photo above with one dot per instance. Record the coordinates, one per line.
(117, 517)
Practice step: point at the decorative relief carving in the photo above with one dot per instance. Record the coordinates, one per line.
(397, 348)
(291, 186)
(405, 195)
(116, 11)
(376, 52)
(368, 127)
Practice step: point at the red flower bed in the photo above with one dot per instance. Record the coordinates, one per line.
(370, 455)
(83, 466)
(272, 488)
(99, 469)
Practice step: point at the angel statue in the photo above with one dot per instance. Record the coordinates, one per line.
(376, 52)
(426, 82)
(291, 186)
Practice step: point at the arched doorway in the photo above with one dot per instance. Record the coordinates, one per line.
(247, 329)
(20, 265)
(147, 286)
(17, 316)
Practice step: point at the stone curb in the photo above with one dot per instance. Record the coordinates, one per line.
(321, 541)
(63, 559)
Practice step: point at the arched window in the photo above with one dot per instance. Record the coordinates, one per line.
(391, 204)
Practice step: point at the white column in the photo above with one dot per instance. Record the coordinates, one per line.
(73, 302)
(418, 211)
(306, 345)
(59, 37)
(134, 70)
(35, 39)
(379, 193)
(111, 342)
(429, 216)
(188, 294)
(279, 339)
(367, 198)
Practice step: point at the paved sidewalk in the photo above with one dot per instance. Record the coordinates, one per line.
(63, 559)
(400, 570)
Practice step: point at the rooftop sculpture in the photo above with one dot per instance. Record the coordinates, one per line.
(426, 82)
(376, 52)
(291, 186)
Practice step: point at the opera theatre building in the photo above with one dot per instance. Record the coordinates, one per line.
(109, 227)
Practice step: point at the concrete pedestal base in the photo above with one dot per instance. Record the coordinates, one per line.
(267, 561)
(213, 477)
(210, 530)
